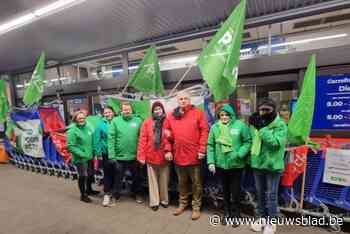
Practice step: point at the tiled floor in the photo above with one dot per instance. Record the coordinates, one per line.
(33, 203)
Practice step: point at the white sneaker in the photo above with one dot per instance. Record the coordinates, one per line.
(106, 200)
(258, 225)
(269, 229)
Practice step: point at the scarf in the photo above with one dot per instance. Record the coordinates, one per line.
(157, 129)
(256, 141)
(178, 113)
(225, 138)
(267, 119)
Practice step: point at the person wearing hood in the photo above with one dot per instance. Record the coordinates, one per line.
(100, 142)
(79, 144)
(269, 134)
(123, 135)
(152, 147)
(229, 143)
(189, 128)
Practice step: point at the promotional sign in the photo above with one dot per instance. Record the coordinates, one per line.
(337, 167)
(29, 137)
(332, 106)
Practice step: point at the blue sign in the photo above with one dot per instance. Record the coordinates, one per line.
(332, 104)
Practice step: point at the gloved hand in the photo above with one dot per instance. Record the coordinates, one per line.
(211, 168)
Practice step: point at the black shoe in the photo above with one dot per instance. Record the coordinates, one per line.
(235, 224)
(116, 197)
(164, 205)
(139, 199)
(85, 198)
(224, 219)
(154, 208)
(234, 221)
(92, 192)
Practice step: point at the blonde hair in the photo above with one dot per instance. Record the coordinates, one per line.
(75, 115)
(125, 104)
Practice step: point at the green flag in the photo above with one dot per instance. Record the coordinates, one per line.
(147, 77)
(219, 60)
(4, 105)
(34, 91)
(299, 125)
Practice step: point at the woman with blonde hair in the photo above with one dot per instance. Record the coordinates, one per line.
(80, 145)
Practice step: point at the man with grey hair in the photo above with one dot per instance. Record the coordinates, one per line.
(189, 129)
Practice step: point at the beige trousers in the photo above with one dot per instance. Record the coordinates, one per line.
(158, 178)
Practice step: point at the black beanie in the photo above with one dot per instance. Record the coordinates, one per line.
(267, 102)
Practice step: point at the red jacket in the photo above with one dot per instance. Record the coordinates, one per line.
(190, 136)
(146, 150)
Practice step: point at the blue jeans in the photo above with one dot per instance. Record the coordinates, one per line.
(266, 184)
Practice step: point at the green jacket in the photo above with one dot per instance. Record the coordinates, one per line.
(123, 137)
(241, 143)
(273, 138)
(79, 142)
(100, 138)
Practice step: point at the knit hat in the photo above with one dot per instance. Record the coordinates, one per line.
(267, 103)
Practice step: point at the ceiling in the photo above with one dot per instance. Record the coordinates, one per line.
(97, 25)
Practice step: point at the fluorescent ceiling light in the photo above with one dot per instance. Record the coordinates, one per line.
(170, 63)
(62, 78)
(113, 71)
(22, 20)
(245, 50)
(37, 14)
(56, 6)
(119, 70)
(303, 41)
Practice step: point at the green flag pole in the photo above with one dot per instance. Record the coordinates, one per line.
(182, 78)
(307, 98)
(125, 87)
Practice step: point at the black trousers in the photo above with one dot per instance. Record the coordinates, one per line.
(117, 169)
(108, 174)
(85, 172)
(231, 183)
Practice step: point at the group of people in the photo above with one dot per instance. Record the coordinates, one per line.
(125, 142)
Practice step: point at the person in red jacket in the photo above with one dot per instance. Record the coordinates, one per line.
(152, 147)
(189, 129)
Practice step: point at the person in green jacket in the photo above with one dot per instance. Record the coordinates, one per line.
(100, 142)
(79, 144)
(123, 137)
(269, 133)
(229, 143)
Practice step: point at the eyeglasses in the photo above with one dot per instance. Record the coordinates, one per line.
(223, 114)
